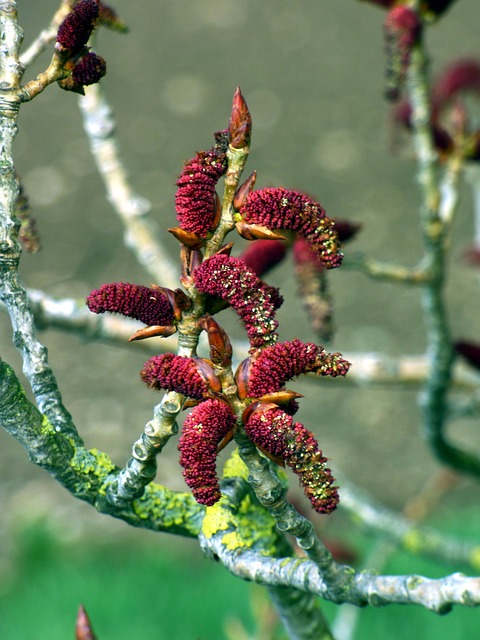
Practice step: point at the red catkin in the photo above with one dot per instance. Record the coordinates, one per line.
(195, 200)
(231, 279)
(149, 306)
(204, 428)
(76, 28)
(279, 208)
(179, 373)
(274, 431)
(89, 69)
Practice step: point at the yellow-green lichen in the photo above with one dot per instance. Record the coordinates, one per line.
(92, 467)
(254, 525)
(413, 541)
(235, 467)
(217, 518)
(475, 558)
(169, 510)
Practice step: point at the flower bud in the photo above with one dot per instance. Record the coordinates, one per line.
(240, 125)
(243, 191)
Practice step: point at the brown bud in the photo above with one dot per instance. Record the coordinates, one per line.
(240, 125)
(181, 301)
(242, 375)
(223, 443)
(217, 207)
(257, 232)
(83, 627)
(243, 191)
(280, 397)
(226, 250)
(257, 407)
(205, 370)
(188, 238)
(220, 346)
(69, 84)
(152, 332)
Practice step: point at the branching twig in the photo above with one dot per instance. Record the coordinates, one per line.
(141, 233)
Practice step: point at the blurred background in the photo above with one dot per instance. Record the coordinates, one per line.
(313, 77)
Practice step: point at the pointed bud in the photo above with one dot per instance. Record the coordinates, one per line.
(205, 370)
(217, 208)
(187, 238)
(281, 397)
(108, 17)
(220, 346)
(242, 375)
(258, 409)
(257, 232)
(243, 191)
(226, 440)
(470, 351)
(181, 302)
(83, 627)
(153, 332)
(226, 250)
(240, 125)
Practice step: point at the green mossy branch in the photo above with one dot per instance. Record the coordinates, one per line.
(87, 474)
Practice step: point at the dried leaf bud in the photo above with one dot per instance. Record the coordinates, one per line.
(242, 375)
(187, 238)
(89, 70)
(243, 190)
(281, 397)
(256, 232)
(155, 331)
(83, 627)
(76, 28)
(240, 126)
(108, 17)
(220, 346)
(68, 84)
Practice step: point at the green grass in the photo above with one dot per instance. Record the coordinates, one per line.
(147, 593)
(162, 590)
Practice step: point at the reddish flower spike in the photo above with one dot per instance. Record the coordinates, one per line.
(263, 255)
(196, 199)
(461, 76)
(145, 304)
(402, 28)
(283, 361)
(279, 208)
(89, 70)
(275, 365)
(204, 428)
(192, 377)
(272, 430)
(76, 28)
(231, 279)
